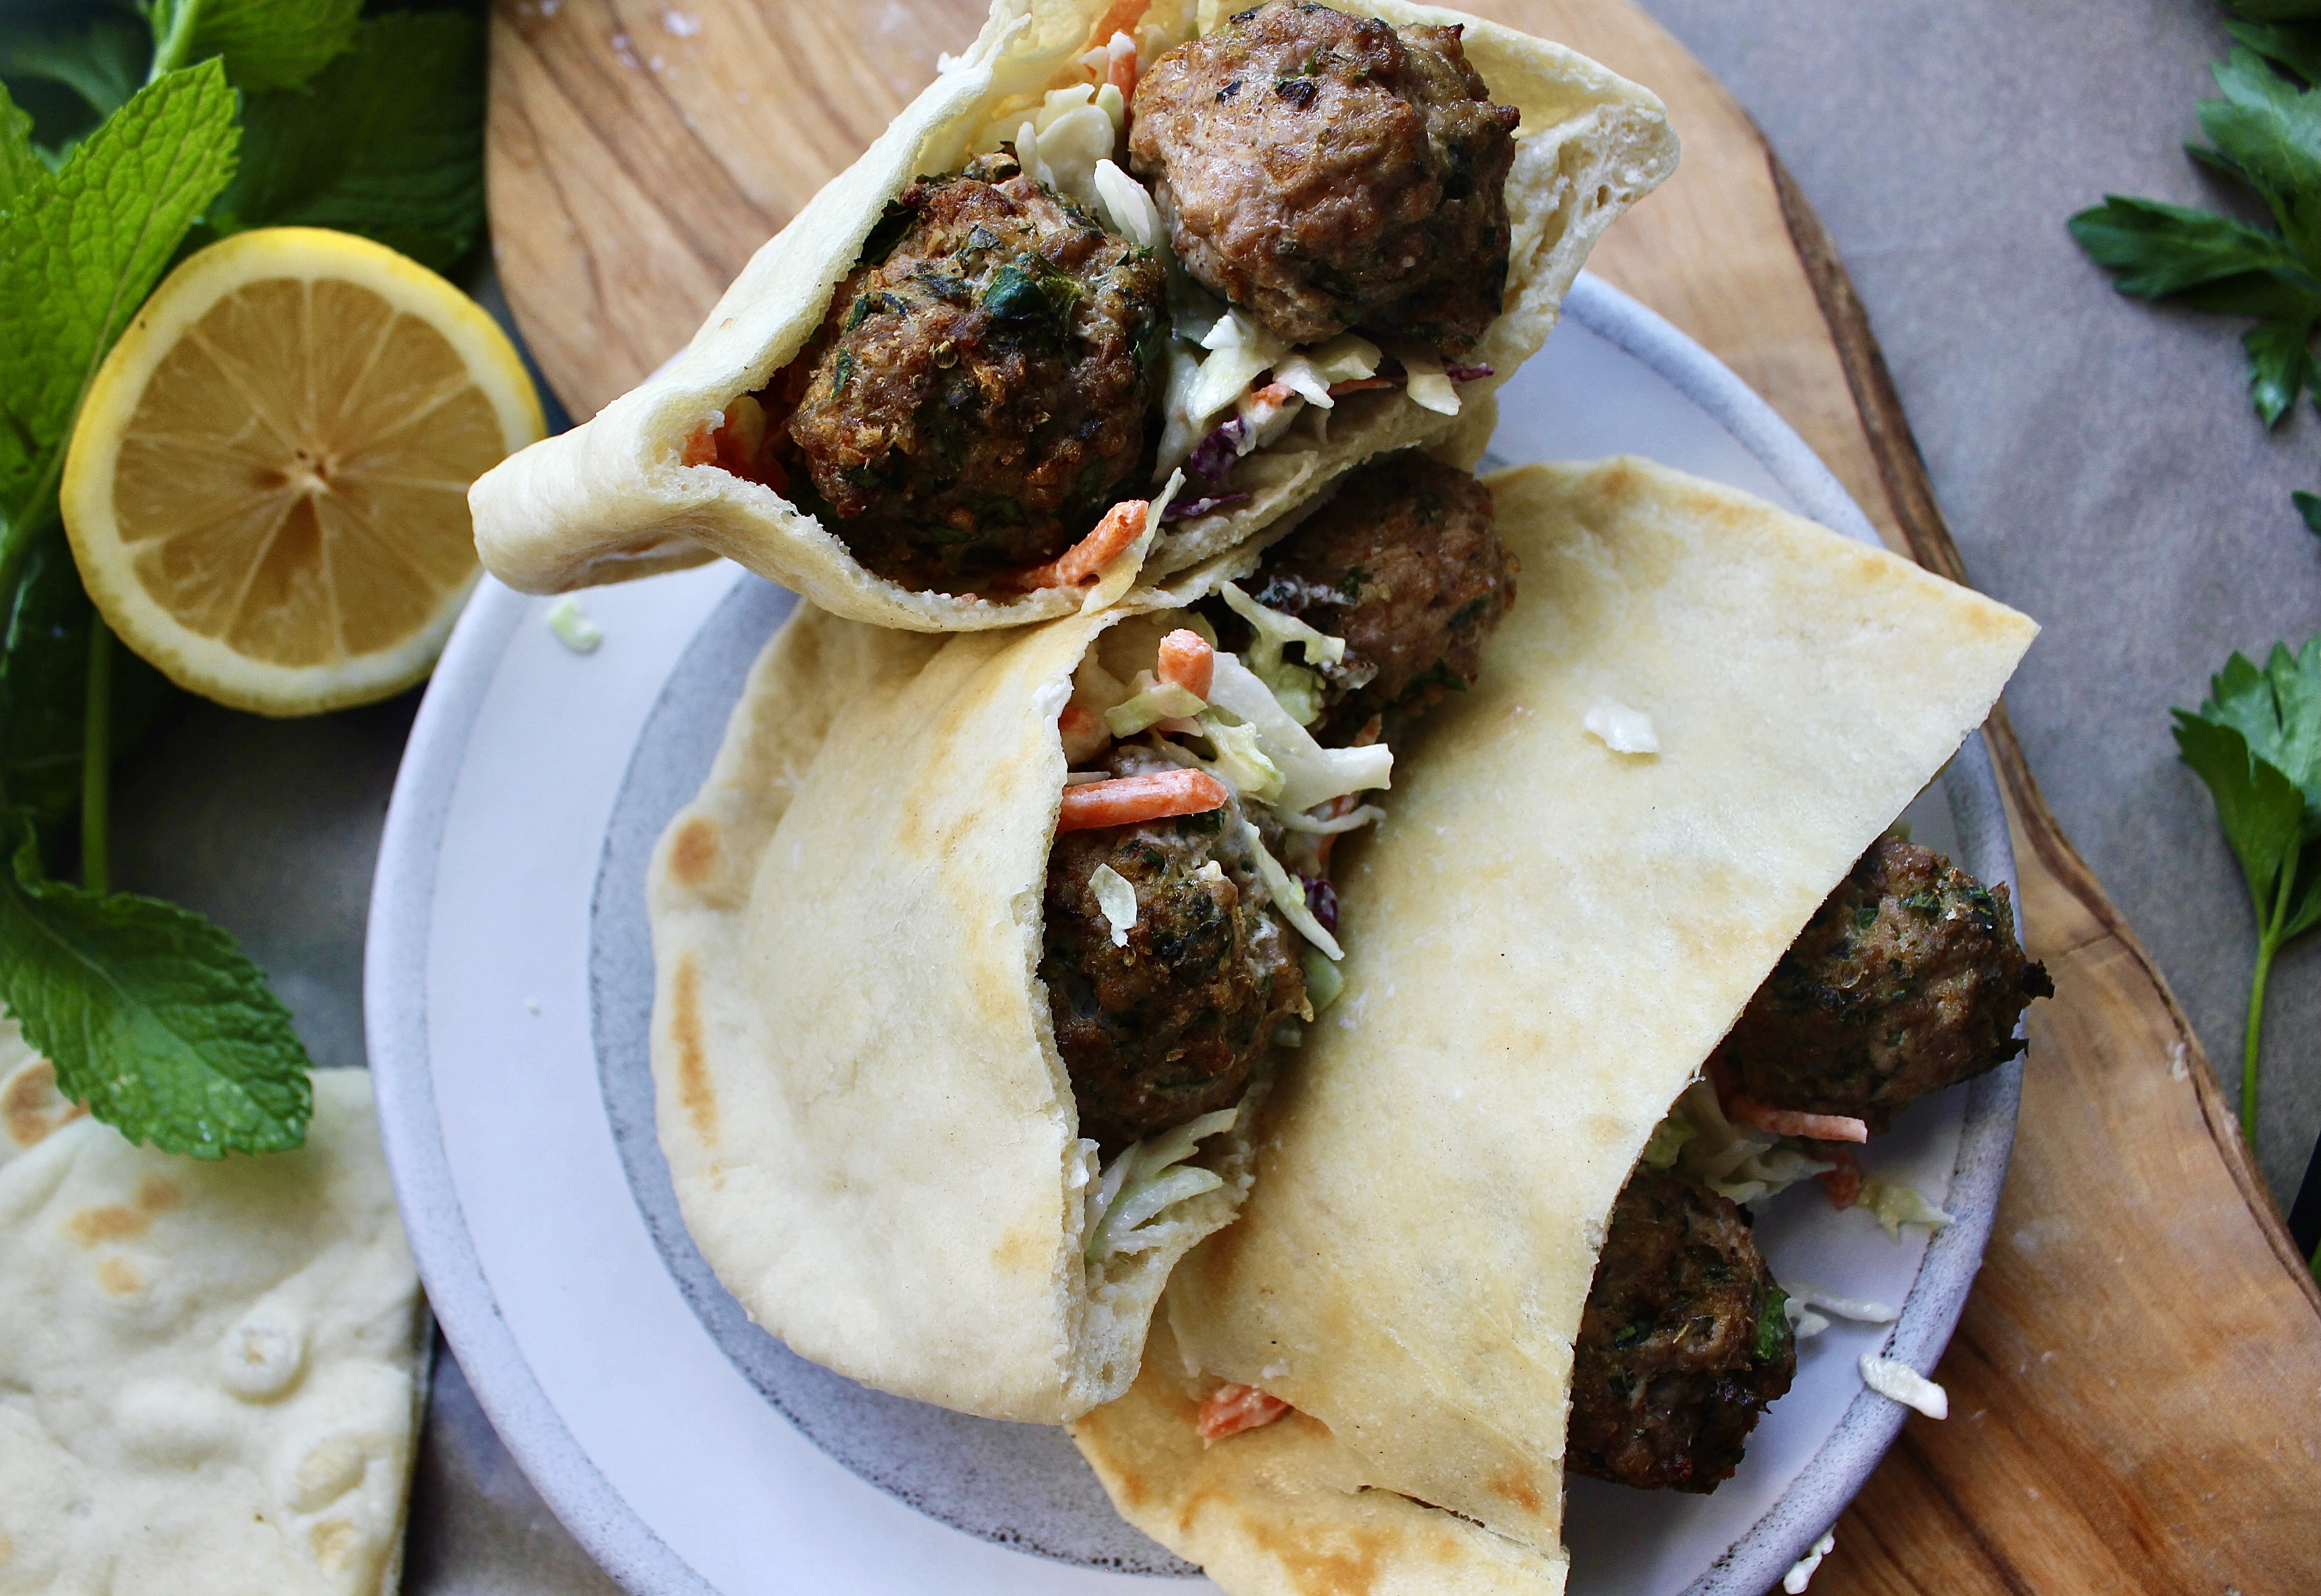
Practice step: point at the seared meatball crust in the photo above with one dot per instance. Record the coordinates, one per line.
(1404, 564)
(1170, 1025)
(1324, 171)
(1684, 1341)
(983, 382)
(1906, 980)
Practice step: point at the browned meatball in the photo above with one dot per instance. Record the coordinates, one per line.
(1169, 1026)
(1404, 563)
(1324, 171)
(1683, 1343)
(1908, 979)
(983, 384)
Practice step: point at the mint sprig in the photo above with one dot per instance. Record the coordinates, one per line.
(296, 113)
(79, 250)
(387, 140)
(151, 1014)
(266, 43)
(2256, 742)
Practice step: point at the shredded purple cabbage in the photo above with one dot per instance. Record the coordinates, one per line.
(1185, 509)
(1321, 900)
(1214, 455)
(1466, 374)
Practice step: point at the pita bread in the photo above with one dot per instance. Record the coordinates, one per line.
(611, 499)
(1545, 939)
(209, 1370)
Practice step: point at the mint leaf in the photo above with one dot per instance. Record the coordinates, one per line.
(78, 254)
(266, 43)
(2262, 812)
(2309, 506)
(102, 61)
(2161, 249)
(151, 1014)
(20, 168)
(387, 141)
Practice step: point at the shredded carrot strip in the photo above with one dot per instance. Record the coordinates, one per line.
(1744, 1110)
(1187, 661)
(1357, 384)
(700, 448)
(1120, 17)
(1276, 394)
(1081, 564)
(1125, 800)
(1232, 1408)
(1121, 73)
(1083, 732)
(1765, 1117)
(1843, 1183)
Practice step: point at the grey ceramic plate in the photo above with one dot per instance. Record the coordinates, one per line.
(508, 989)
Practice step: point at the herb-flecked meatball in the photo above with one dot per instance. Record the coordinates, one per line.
(1326, 171)
(1404, 563)
(1906, 980)
(1683, 1342)
(1170, 1026)
(983, 384)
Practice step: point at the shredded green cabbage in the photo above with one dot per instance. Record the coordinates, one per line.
(1289, 896)
(1163, 701)
(1144, 1181)
(1240, 758)
(1117, 899)
(1897, 1205)
(1323, 980)
(1296, 687)
(1311, 775)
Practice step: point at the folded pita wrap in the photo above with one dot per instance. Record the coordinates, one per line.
(209, 1370)
(1546, 939)
(871, 1135)
(614, 499)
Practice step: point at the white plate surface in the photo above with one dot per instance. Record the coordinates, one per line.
(508, 990)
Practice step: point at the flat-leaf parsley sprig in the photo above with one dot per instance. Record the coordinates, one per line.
(2266, 128)
(2256, 742)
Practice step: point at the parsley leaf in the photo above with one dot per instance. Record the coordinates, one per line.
(151, 1014)
(2267, 129)
(2309, 506)
(2256, 742)
(387, 141)
(78, 253)
(266, 43)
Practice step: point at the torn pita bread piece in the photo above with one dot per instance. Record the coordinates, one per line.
(210, 1376)
(1546, 939)
(678, 471)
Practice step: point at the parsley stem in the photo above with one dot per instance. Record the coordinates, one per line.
(96, 757)
(2268, 943)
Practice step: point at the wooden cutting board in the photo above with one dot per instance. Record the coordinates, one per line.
(2136, 1388)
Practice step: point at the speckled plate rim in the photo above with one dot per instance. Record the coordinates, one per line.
(617, 1537)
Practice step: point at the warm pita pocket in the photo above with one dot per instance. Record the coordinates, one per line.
(210, 1373)
(616, 498)
(1546, 939)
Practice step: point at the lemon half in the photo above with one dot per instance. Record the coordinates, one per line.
(266, 489)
